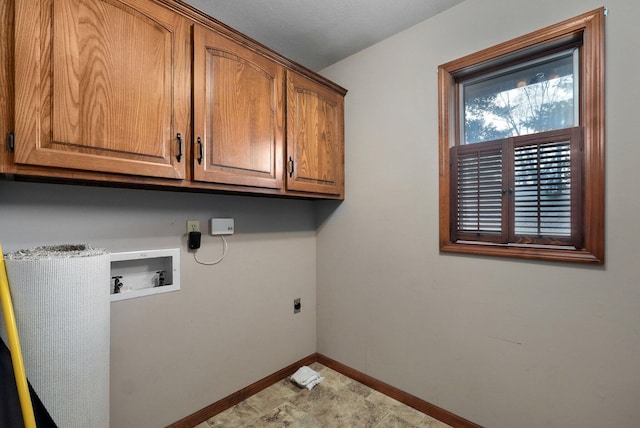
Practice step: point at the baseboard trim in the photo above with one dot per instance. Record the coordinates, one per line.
(395, 393)
(373, 383)
(239, 396)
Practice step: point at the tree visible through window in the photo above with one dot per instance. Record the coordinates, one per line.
(536, 96)
(521, 136)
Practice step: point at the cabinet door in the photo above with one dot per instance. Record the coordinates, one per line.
(238, 101)
(315, 142)
(101, 85)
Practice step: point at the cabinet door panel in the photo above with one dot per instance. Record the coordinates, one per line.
(314, 137)
(108, 74)
(238, 97)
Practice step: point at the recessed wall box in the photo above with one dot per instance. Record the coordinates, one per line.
(143, 273)
(221, 226)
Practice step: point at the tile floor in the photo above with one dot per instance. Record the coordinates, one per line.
(337, 402)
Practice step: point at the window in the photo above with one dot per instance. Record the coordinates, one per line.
(535, 96)
(521, 146)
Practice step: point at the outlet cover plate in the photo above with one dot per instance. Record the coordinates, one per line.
(193, 226)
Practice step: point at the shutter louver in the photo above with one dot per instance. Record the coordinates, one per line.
(479, 191)
(522, 190)
(542, 190)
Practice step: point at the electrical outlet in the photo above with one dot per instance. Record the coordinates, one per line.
(193, 226)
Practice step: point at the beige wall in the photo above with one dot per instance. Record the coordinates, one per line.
(229, 326)
(504, 343)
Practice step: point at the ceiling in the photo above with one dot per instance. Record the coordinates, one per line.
(318, 33)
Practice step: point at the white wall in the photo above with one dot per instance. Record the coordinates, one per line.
(502, 342)
(229, 326)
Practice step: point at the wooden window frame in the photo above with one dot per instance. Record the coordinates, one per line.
(587, 30)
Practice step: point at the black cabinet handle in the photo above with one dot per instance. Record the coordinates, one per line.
(200, 154)
(290, 166)
(179, 156)
(11, 142)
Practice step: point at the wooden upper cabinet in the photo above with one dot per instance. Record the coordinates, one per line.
(150, 92)
(238, 100)
(101, 85)
(315, 140)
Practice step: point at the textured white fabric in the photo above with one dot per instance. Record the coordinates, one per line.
(61, 303)
(306, 377)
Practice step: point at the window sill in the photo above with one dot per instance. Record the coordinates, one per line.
(550, 254)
